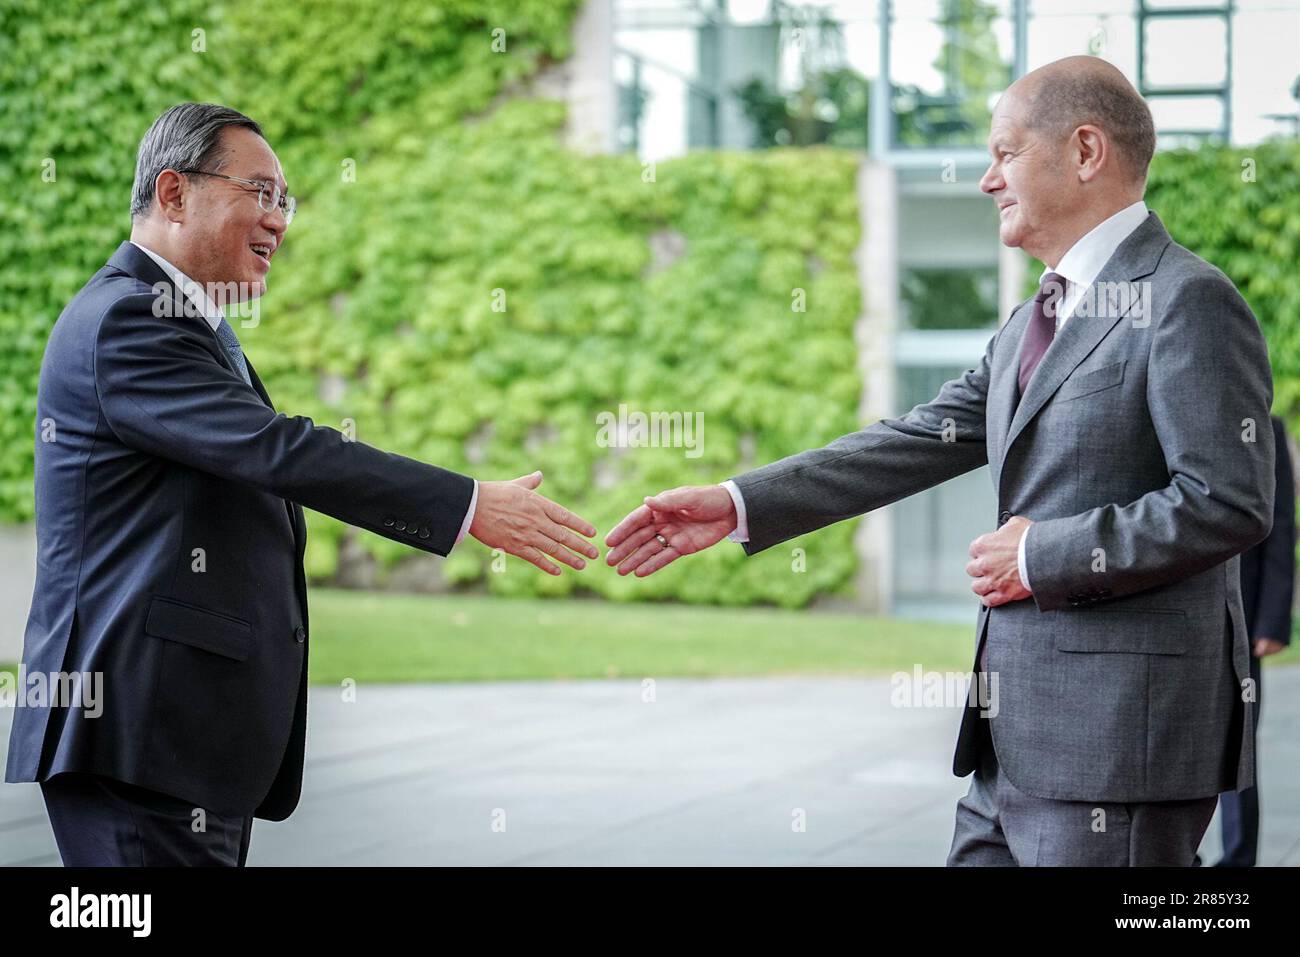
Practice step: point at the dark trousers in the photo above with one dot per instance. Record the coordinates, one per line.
(102, 822)
(1239, 810)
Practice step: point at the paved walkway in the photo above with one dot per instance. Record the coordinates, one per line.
(711, 772)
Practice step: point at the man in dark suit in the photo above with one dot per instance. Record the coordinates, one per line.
(170, 534)
(1267, 588)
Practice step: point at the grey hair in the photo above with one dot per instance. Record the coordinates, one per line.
(1064, 101)
(188, 136)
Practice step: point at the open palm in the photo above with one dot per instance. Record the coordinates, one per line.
(689, 519)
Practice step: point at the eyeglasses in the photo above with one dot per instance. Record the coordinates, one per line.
(269, 196)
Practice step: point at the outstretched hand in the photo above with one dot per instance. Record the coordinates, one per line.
(674, 523)
(513, 517)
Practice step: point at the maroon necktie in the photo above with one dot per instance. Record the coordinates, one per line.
(1039, 335)
(1042, 327)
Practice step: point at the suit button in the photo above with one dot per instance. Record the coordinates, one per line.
(300, 634)
(424, 533)
(1003, 518)
(401, 525)
(388, 521)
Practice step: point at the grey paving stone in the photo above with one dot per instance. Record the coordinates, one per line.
(588, 773)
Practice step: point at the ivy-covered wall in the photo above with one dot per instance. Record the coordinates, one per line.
(457, 284)
(1239, 208)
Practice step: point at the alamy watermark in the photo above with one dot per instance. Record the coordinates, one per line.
(945, 689)
(55, 689)
(236, 300)
(669, 430)
(1104, 300)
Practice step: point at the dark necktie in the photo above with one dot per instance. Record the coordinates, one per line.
(1042, 327)
(226, 336)
(1038, 336)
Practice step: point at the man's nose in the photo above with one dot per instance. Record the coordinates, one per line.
(990, 181)
(274, 221)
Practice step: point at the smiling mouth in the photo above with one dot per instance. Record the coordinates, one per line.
(262, 252)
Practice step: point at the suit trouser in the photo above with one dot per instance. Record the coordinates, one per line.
(1000, 826)
(102, 822)
(1239, 810)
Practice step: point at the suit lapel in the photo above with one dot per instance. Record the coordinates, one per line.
(1002, 391)
(131, 260)
(1136, 257)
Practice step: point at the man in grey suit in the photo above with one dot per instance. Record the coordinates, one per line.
(1124, 414)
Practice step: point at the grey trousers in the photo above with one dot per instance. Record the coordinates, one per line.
(1000, 826)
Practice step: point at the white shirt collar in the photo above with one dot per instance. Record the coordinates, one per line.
(211, 311)
(1083, 262)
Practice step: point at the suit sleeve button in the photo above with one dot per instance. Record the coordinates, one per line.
(424, 533)
(300, 634)
(401, 525)
(388, 521)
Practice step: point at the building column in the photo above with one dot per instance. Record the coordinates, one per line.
(877, 258)
(590, 92)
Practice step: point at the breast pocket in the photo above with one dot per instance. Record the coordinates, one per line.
(1097, 380)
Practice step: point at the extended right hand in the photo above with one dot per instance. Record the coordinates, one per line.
(513, 517)
(689, 519)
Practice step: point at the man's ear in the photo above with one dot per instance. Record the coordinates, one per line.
(1090, 152)
(170, 190)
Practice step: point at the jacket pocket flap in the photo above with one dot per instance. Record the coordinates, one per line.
(1145, 632)
(1094, 381)
(199, 628)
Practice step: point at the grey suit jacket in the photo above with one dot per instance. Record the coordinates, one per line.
(1142, 451)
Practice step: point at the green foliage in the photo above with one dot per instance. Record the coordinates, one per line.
(1239, 208)
(387, 281)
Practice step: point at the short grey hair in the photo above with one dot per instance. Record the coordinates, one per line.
(1064, 101)
(188, 136)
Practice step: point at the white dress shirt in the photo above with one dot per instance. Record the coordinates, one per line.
(214, 316)
(1079, 267)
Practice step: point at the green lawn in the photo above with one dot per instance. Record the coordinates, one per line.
(376, 637)
(384, 638)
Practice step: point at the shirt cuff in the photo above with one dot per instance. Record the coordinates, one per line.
(1020, 560)
(469, 516)
(741, 534)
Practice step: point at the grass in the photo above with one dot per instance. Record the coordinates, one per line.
(375, 637)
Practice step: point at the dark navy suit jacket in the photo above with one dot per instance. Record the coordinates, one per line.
(170, 541)
(1268, 569)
